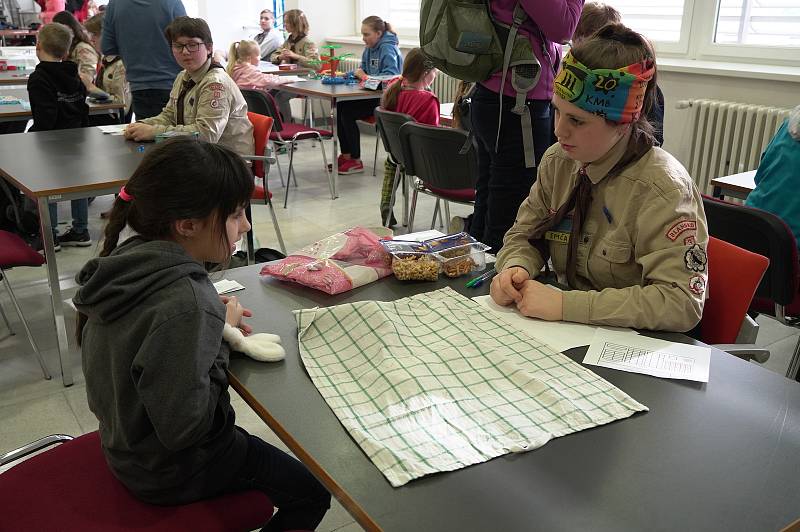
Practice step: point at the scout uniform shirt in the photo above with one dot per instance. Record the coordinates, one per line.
(644, 235)
(213, 106)
(112, 79)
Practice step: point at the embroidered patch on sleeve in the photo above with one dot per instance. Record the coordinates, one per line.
(215, 86)
(689, 240)
(214, 104)
(695, 259)
(697, 284)
(679, 227)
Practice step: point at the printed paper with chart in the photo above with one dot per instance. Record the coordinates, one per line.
(640, 354)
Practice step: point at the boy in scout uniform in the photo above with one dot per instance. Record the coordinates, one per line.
(203, 98)
(620, 219)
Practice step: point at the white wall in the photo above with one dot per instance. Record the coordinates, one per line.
(327, 18)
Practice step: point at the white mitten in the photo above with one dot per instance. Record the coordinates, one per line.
(263, 347)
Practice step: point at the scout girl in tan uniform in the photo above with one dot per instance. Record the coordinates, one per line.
(111, 76)
(297, 49)
(203, 98)
(621, 220)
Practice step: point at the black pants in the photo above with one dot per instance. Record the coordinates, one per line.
(149, 102)
(301, 500)
(347, 113)
(503, 181)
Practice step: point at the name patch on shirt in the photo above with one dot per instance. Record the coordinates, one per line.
(560, 233)
(679, 227)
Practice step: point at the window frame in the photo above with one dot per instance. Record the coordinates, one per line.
(363, 10)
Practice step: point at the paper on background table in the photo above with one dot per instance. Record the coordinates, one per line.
(651, 356)
(292, 79)
(114, 129)
(559, 335)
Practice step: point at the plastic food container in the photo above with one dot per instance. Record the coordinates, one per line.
(412, 261)
(461, 260)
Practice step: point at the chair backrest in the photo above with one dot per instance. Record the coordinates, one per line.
(733, 276)
(389, 123)
(763, 233)
(433, 154)
(262, 125)
(263, 103)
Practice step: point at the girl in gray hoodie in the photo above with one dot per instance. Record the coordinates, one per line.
(151, 330)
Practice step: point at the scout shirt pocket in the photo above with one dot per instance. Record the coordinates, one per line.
(611, 264)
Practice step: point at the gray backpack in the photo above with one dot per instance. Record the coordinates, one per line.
(463, 40)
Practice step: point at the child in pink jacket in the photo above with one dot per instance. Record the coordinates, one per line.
(243, 58)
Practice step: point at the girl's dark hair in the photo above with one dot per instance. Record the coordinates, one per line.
(195, 28)
(416, 66)
(615, 46)
(78, 31)
(376, 23)
(178, 179)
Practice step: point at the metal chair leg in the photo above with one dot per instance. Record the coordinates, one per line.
(5, 319)
(412, 210)
(289, 173)
(278, 164)
(446, 221)
(435, 213)
(375, 161)
(406, 184)
(251, 252)
(392, 196)
(327, 171)
(27, 329)
(277, 227)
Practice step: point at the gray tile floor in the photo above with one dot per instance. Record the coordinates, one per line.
(31, 407)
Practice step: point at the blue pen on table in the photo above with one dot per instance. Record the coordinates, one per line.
(477, 281)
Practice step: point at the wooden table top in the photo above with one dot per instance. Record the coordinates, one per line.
(743, 182)
(17, 111)
(15, 77)
(315, 88)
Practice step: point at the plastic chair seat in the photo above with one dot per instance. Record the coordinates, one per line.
(70, 487)
(463, 194)
(15, 252)
(290, 130)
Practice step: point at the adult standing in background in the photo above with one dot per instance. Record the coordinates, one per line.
(270, 38)
(504, 181)
(134, 30)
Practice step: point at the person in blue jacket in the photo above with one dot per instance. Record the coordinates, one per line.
(381, 57)
(778, 177)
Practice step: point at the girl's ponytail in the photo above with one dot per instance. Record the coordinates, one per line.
(233, 57)
(390, 95)
(117, 220)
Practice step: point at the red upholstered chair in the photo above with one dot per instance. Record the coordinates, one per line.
(733, 277)
(262, 126)
(445, 163)
(71, 488)
(15, 252)
(287, 134)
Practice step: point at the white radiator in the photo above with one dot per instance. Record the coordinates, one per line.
(444, 87)
(727, 137)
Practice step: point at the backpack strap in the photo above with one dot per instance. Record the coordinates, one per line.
(519, 17)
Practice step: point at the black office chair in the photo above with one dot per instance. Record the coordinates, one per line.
(445, 163)
(388, 124)
(287, 134)
(766, 234)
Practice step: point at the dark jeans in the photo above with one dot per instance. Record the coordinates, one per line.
(149, 102)
(347, 113)
(301, 500)
(503, 181)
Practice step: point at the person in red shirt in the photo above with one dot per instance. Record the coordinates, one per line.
(410, 94)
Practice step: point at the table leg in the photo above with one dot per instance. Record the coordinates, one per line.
(334, 158)
(55, 291)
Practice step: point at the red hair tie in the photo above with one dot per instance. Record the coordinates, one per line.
(123, 194)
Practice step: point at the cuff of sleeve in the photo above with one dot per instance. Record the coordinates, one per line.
(576, 306)
(526, 265)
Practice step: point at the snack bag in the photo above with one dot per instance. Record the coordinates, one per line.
(335, 264)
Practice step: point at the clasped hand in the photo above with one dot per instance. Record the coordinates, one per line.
(532, 298)
(140, 132)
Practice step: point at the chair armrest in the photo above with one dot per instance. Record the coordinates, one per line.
(745, 351)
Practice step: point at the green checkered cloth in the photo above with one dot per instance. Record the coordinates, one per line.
(435, 382)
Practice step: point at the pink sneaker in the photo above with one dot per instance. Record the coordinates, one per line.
(351, 166)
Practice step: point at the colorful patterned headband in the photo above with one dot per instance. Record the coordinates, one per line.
(614, 94)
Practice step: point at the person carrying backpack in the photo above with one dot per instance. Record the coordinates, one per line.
(505, 175)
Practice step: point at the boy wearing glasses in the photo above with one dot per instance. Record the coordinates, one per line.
(204, 99)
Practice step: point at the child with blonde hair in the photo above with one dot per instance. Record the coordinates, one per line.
(243, 58)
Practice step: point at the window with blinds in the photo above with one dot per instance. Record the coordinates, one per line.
(758, 22)
(658, 20)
